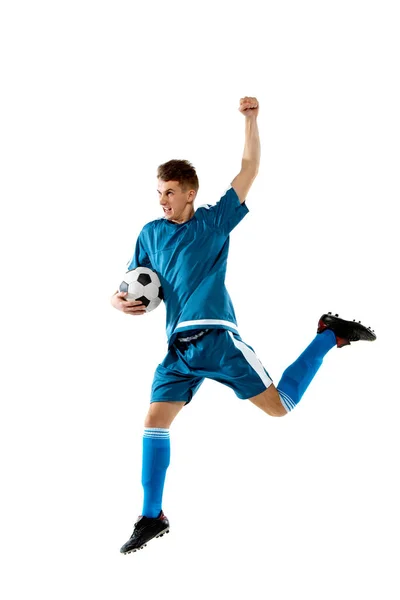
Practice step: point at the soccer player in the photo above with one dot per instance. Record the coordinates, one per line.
(188, 250)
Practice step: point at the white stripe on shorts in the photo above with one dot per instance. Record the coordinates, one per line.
(252, 359)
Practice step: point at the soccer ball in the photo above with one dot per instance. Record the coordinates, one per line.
(143, 284)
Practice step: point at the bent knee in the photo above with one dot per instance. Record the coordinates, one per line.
(161, 414)
(270, 402)
(279, 412)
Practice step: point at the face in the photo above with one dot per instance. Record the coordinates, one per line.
(177, 205)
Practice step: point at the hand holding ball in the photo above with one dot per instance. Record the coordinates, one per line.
(144, 285)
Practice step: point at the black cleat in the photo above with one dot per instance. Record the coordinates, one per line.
(345, 331)
(146, 529)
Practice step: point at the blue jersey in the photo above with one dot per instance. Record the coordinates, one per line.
(190, 259)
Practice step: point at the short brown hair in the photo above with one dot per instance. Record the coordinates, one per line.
(179, 170)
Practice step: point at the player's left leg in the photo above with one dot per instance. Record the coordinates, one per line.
(270, 402)
(277, 402)
(332, 331)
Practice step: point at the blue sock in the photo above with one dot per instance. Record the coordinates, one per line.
(156, 455)
(296, 379)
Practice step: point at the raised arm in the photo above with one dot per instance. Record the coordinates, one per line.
(251, 155)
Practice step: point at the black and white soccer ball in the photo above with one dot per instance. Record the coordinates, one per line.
(143, 284)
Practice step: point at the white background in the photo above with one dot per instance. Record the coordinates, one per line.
(95, 95)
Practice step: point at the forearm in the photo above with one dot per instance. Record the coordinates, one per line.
(252, 149)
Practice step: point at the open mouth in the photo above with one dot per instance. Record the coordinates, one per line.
(167, 211)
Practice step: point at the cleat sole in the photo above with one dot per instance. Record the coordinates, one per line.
(144, 545)
(345, 331)
(162, 533)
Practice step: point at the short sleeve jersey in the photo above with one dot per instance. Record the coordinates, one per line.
(190, 259)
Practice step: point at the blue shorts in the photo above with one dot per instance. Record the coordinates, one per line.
(219, 354)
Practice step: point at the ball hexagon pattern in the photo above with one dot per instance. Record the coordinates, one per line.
(143, 284)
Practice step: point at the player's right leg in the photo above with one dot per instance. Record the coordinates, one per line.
(156, 456)
(161, 414)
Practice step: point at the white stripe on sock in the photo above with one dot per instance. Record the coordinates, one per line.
(156, 432)
(155, 429)
(286, 401)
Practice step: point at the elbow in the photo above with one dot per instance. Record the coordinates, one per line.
(250, 167)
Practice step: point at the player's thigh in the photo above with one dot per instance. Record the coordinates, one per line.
(161, 414)
(270, 402)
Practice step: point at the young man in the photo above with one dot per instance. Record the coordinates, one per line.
(188, 249)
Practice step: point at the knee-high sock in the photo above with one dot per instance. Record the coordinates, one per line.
(298, 376)
(156, 456)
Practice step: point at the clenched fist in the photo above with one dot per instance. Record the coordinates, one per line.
(249, 106)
